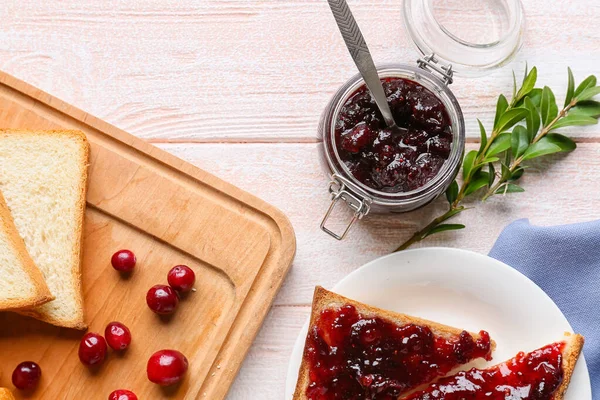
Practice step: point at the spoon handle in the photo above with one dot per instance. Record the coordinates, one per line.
(360, 54)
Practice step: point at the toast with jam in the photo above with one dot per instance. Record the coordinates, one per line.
(356, 351)
(543, 374)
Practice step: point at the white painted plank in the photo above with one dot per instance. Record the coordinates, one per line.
(247, 70)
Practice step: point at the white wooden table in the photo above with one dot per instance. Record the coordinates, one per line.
(236, 87)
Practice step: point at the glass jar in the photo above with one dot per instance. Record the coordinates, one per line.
(435, 73)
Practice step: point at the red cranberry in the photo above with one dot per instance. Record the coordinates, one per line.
(27, 375)
(357, 138)
(166, 367)
(181, 278)
(123, 260)
(122, 394)
(117, 336)
(162, 299)
(92, 349)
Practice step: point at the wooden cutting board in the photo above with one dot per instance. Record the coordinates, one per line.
(168, 212)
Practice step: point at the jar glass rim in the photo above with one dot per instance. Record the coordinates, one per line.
(439, 89)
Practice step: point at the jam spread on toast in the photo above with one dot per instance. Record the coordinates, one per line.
(352, 357)
(533, 376)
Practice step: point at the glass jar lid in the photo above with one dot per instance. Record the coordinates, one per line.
(474, 36)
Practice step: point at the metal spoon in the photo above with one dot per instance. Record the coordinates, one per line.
(362, 57)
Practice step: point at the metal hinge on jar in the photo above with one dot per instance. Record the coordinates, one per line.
(359, 204)
(431, 64)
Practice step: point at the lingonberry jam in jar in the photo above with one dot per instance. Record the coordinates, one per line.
(377, 169)
(398, 159)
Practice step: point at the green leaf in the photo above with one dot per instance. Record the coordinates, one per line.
(488, 160)
(536, 96)
(483, 137)
(509, 188)
(452, 192)
(565, 143)
(533, 119)
(588, 82)
(548, 107)
(588, 93)
(468, 163)
(549, 144)
(574, 120)
(517, 174)
(443, 228)
(526, 72)
(519, 141)
(528, 83)
(571, 88)
(590, 108)
(492, 174)
(500, 144)
(510, 118)
(501, 107)
(480, 180)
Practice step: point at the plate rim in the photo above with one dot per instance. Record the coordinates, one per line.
(501, 266)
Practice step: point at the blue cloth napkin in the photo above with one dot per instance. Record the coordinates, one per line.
(565, 262)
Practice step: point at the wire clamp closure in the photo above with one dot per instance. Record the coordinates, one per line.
(360, 205)
(431, 64)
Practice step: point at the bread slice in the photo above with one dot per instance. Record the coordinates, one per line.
(574, 346)
(43, 176)
(570, 355)
(324, 299)
(22, 284)
(6, 395)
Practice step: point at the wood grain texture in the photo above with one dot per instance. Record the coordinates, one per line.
(215, 70)
(168, 212)
(171, 71)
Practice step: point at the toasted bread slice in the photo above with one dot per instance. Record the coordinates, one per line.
(571, 352)
(5, 394)
(22, 285)
(43, 176)
(324, 299)
(471, 383)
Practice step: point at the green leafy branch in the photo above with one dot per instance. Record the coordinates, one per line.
(523, 129)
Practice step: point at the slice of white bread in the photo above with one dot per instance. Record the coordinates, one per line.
(22, 285)
(570, 355)
(43, 176)
(324, 299)
(5, 394)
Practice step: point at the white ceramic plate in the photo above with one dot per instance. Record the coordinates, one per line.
(463, 289)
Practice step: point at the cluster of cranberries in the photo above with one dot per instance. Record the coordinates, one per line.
(165, 367)
(93, 347)
(162, 299)
(394, 160)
